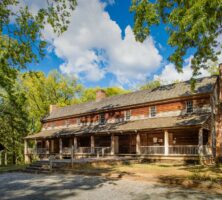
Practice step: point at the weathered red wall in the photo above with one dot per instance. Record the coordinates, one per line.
(180, 105)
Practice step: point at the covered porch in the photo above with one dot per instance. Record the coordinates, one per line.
(183, 137)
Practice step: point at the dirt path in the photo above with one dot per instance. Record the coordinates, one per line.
(23, 186)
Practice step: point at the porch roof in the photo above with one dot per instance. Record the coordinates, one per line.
(127, 126)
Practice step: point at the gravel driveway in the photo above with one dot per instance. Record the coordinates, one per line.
(31, 186)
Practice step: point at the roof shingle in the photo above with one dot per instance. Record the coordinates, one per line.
(127, 126)
(182, 89)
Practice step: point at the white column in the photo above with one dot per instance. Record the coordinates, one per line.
(52, 145)
(6, 158)
(26, 152)
(200, 141)
(47, 146)
(92, 144)
(75, 144)
(60, 148)
(112, 144)
(166, 142)
(138, 144)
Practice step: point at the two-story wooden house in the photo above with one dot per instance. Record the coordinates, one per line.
(168, 122)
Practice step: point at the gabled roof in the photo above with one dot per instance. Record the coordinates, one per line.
(182, 89)
(127, 126)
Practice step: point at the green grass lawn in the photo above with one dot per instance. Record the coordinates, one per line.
(10, 168)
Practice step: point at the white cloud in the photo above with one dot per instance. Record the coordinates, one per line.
(169, 74)
(93, 46)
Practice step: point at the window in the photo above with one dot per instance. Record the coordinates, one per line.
(189, 106)
(152, 111)
(102, 119)
(78, 121)
(127, 115)
(66, 123)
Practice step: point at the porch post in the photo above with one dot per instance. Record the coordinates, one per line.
(200, 141)
(26, 151)
(138, 144)
(92, 144)
(47, 146)
(112, 144)
(52, 145)
(75, 144)
(60, 148)
(166, 142)
(6, 158)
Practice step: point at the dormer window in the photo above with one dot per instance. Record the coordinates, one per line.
(189, 106)
(127, 115)
(153, 111)
(102, 119)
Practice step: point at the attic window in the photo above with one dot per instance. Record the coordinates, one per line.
(127, 115)
(152, 111)
(102, 119)
(189, 106)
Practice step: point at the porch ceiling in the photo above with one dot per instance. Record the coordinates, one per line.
(138, 125)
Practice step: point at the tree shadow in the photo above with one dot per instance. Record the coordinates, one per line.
(38, 186)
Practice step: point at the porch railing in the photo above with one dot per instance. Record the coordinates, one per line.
(152, 150)
(37, 150)
(102, 151)
(84, 150)
(184, 150)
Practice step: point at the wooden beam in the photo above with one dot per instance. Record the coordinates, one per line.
(112, 144)
(200, 141)
(92, 144)
(138, 151)
(166, 142)
(60, 148)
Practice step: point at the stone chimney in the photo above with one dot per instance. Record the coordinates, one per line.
(100, 94)
(52, 108)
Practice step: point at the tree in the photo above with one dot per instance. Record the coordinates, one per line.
(13, 122)
(41, 91)
(192, 25)
(150, 85)
(21, 40)
(89, 94)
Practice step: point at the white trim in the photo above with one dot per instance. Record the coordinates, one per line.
(150, 111)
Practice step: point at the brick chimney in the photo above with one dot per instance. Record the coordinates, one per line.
(100, 94)
(52, 108)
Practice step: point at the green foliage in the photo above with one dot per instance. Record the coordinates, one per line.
(21, 40)
(192, 25)
(150, 85)
(213, 70)
(13, 121)
(89, 94)
(41, 91)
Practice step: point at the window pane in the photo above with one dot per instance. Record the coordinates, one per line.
(102, 118)
(189, 107)
(127, 115)
(152, 111)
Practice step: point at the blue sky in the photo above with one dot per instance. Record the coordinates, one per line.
(100, 50)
